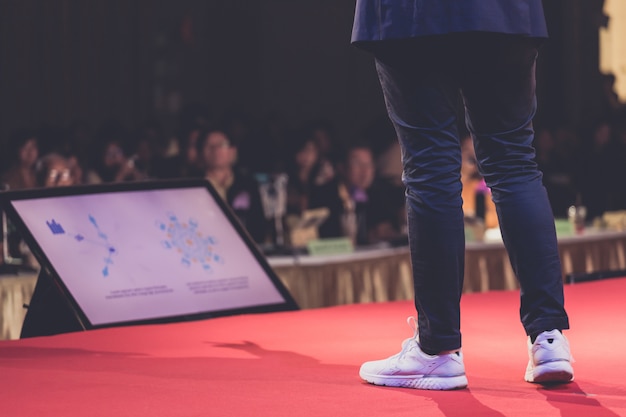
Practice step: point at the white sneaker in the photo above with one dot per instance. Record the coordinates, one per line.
(412, 368)
(549, 359)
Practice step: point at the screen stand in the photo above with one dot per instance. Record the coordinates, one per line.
(49, 311)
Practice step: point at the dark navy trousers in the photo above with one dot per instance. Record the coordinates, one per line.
(426, 83)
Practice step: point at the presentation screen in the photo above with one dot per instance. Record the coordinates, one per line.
(145, 251)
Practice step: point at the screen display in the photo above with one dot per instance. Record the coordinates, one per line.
(146, 254)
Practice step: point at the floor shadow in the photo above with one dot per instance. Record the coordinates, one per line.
(457, 403)
(570, 399)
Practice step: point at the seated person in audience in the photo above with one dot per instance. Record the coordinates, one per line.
(218, 159)
(23, 151)
(111, 162)
(53, 170)
(360, 207)
(304, 169)
(322, 133)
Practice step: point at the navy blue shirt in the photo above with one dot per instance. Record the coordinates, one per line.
(377, 20)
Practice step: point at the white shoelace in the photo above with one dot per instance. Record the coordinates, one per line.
(409, 343)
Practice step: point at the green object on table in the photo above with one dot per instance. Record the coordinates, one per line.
(563, 227)
(330, 246)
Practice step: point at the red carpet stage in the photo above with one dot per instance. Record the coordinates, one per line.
(306, 363)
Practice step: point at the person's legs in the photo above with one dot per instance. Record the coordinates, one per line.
(422, 101)
(499, 93)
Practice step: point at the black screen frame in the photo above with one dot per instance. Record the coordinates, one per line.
(47, 268)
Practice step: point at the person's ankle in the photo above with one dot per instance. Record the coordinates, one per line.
(439, 352)
(533, 336)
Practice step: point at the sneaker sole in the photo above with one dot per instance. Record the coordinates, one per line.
(560, 372)
(418, 382)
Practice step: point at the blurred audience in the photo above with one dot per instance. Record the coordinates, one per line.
(359, 181)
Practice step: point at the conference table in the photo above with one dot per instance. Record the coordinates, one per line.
(384, 274)
(376, 274)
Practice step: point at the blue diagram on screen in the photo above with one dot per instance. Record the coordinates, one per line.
(102, 240)
(188, 241)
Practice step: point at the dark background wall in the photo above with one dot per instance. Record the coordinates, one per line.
(63, 60)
